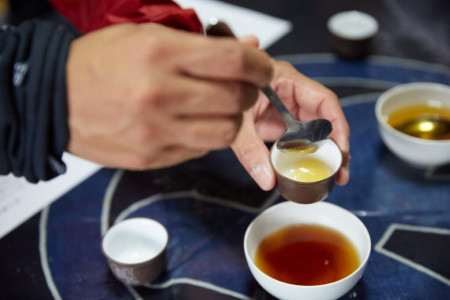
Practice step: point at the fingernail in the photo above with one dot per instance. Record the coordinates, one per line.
(264, 176)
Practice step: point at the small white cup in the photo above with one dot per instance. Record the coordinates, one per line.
(136, 250)
(352, 32)
(321, 213)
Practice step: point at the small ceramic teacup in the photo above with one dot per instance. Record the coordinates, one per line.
(324, 214)
(352, 33)
(136, 250)
(299, 191)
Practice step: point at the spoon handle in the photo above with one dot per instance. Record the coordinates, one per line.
(219, 28)
(276, 101)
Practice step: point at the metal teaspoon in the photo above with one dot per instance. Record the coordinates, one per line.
(298, 133)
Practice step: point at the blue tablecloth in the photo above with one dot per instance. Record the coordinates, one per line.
(206, 205)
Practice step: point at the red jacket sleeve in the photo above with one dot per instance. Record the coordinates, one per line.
(88, 15)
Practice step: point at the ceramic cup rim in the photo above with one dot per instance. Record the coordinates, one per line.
(334, 23)
(140, 263)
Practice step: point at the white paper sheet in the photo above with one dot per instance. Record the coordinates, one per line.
(242, 21)
(20, 200)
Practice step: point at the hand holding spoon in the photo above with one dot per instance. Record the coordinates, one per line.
(298, 134)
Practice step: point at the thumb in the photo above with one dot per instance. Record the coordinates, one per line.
(253, 154)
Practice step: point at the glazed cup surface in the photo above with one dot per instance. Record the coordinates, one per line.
(417, 152)
(136, 250)
(322, 213)
(307, 192)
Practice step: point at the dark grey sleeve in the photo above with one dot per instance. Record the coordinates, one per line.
(33, 100)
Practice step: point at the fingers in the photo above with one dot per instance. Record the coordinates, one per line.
(189, 96)
(310, 100)
(250, 40)
(253, 154)
(344, 173)
(204, 133)
(340, 135)
(169, 156)
(227, 59)
(205, 57)
(144, 96)
(194, 113)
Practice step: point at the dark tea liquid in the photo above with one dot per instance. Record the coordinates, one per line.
(307, 255)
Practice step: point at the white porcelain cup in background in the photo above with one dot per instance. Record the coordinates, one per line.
(136, 250)
(352, 33)
(415, 151)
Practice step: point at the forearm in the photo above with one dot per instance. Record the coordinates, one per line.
(33, 105)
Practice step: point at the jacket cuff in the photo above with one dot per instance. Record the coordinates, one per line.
(33, 124)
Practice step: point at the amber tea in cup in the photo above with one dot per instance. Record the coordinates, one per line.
(418, 140)
(307, 175)
(307, 169)
(422, 121)
(307, 254)
(314, 239)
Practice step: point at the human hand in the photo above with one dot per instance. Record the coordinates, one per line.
(306, 99)
(147, 96)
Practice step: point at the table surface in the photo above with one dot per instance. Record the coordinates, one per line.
(207, 203)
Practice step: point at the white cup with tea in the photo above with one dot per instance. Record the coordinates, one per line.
(307, 174)
(414, 123)
(315, 251)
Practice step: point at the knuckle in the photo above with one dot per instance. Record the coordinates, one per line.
(138, 136)
(149, 96)
(154, 96)
(153, 49)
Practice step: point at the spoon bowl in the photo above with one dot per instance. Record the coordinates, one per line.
(298, 133)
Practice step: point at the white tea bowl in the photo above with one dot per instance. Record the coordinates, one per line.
(418, 152)
(322, 213)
